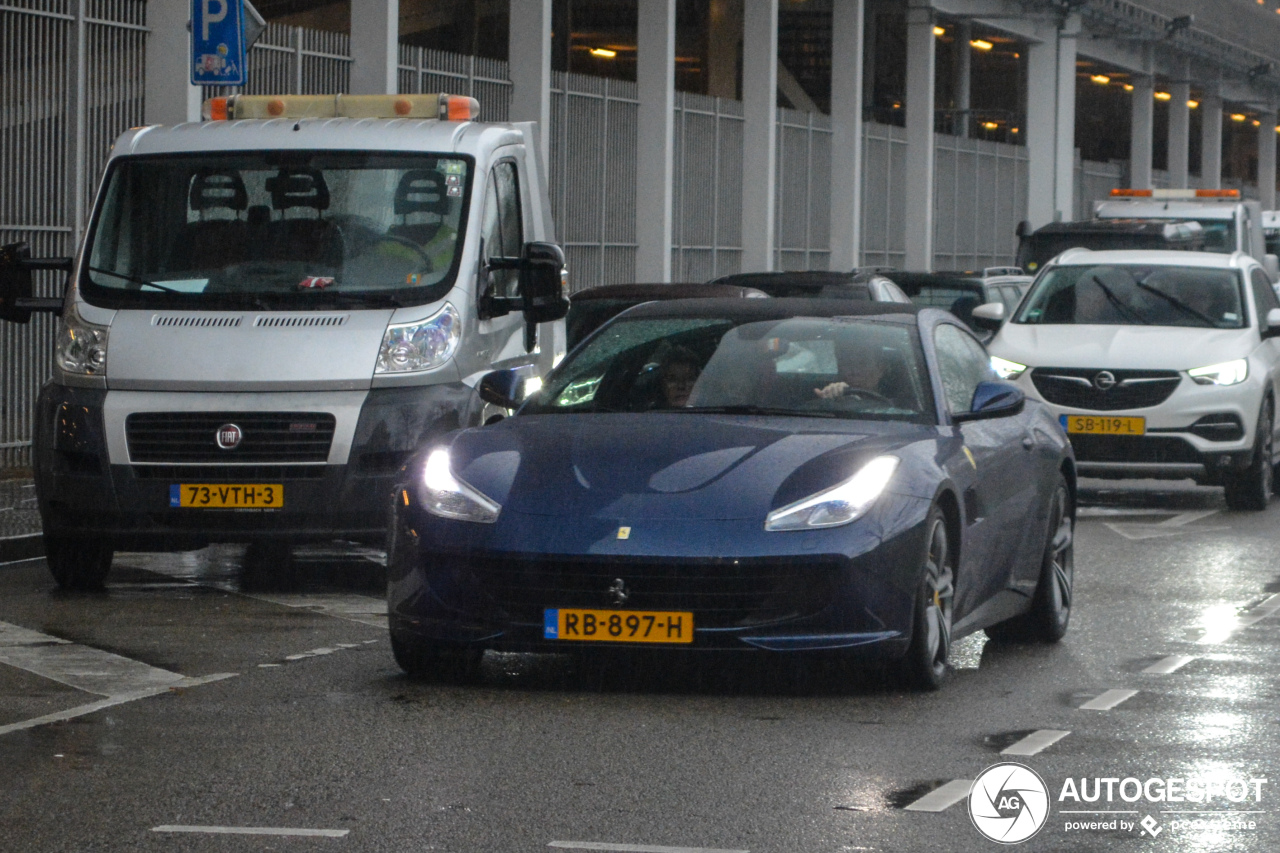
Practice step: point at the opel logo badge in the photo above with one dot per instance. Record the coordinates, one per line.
(229, 436)
(618, 592)
(1105, 380)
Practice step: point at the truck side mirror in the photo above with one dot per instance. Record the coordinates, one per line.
(15, 282)
(1024, 229)
(542, 278)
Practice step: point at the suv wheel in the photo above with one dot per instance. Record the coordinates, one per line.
(1251, 488)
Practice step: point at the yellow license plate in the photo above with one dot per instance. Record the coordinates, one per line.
(1097, 425)
(618, 626)
(227, 495)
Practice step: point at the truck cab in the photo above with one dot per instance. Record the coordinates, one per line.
(271, 310)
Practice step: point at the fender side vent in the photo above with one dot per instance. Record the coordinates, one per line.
(294, 321)
(189, 320)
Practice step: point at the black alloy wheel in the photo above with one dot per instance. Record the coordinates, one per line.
(77, 562)
(1050, 613)
(423, 660)
(1251, 489)
(925, 664)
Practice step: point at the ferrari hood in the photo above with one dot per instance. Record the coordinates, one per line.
(1120, 347)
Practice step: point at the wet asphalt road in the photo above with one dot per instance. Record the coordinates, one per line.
(307, 723)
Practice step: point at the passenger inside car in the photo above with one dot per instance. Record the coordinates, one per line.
(678, 370)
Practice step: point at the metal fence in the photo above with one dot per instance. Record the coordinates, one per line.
(707, 200)
(980, 195)
(294, 61)
(71, 74)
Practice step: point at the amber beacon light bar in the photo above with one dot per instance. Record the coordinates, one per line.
(1175, 194)
(442, 106)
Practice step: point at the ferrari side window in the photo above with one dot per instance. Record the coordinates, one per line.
(962, 364)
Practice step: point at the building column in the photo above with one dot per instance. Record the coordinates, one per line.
(656, 90)
(375, 47)
(1051, 124)
(846, 134)
(1267, 159)
(1142, 116)
(168, 94)
(1211, 142)
(918, 204)
(724, 32)
(964, 79)
(759, 140)
(529, 51)
(1180, 130)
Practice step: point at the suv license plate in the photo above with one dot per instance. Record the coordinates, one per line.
(618, 626)
(1095, 425)
(227, 495)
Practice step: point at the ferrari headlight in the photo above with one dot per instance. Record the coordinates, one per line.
(1227, 373)
(1006, 369)
(82, 347)
(448, 497)
(840, 504)
(424, 345)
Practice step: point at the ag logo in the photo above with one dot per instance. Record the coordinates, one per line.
(1008, 803)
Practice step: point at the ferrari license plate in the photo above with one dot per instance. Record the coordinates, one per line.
(1097, 425)
(618, 626)
(227, 495)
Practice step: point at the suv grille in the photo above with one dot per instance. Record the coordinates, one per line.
(1074, 387)
(267, 437)
(1132, 448)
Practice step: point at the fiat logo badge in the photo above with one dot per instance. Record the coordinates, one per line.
(229, 436)
(1105, 380)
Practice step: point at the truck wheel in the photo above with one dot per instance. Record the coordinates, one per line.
(77, 562)
(267, 567)
(1251, 488)
(424, 660)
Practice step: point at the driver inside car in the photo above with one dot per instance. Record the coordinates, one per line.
(862, 368)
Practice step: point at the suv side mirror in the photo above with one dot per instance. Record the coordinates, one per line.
(989, 316)
(994, 399)
(542, 280)
(16, 266)
(1271, 263)
(1272, 328)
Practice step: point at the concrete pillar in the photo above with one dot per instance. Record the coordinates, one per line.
(1142, 114)
(1064, 169)
(1051, 124)
(375, 47)
(656, 89)
(918, 204)
(1179, 130)
(759, 141)
(529, 51)
(169, 96)
(724, 33)
(1267, 159)
(846, 134)
(964, 74)
(1211, 142)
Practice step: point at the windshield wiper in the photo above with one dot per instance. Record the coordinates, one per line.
(1179, 304)
(134, 279)
(375, 300)
(750, 410)
(1124, 310)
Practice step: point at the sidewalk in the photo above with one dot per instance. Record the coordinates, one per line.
(19, 521)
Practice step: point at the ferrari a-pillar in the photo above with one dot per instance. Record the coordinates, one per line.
(918, 205)
(846, 134)
(759, 143)
(375, 45)
(1267, 159)
(169, 97)
(1179, 132)
(1211, 142)
(529, 51)
(1142, 115)
(1051, 124)
(656, 87)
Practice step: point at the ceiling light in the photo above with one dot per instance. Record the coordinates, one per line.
(1128, 87)
(1100, 79)
(980, 44)
(939, 31)
(1238, 116)
(1193, 104)
(1163, 96)
(603, 52)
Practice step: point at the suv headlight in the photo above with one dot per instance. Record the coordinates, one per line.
(1006, 369)
(423, 345)
(840, 504)
(1227, 373)
(82, 346)
(445, 495)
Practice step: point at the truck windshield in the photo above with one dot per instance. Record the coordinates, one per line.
(282, 229)
(1219, 235)
(1136, 296)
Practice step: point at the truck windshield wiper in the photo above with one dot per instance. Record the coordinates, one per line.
(134, 279)
(379, 300)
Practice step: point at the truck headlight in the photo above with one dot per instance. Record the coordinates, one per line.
(840, 504)
(1006, 369)
(423, 345)
(1226, 373)
(82, 346)
(445, 495)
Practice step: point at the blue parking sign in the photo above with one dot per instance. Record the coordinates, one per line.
(217, 43)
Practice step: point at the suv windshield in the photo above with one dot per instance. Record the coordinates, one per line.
(815, 367)
(1136, 295)
(282, 229)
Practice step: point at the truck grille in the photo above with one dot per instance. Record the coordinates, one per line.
(192, 437)
(1075, 388)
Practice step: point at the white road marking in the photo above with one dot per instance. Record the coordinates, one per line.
(355, 608)
(1169, 527)
(82, 667)
(1173, 663)
(1108, 700)
(1119, 512)
(635, 848)
(254, 830)
(941, 799)
(1262, 611)
(1035, 742)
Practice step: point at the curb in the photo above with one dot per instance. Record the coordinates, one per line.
(15, 548)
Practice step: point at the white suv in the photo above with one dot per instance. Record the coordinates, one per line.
(1157, 364)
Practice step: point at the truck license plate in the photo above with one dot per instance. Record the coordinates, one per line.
(618, 626)
(227, 495)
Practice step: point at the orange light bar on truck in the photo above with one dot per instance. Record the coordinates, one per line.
(443, 107)
(1175, 194)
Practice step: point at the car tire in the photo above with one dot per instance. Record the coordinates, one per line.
(925, 664)
(423, 660)
(268, 567)
(1251, 489)
(77, 562)
(1050, 613)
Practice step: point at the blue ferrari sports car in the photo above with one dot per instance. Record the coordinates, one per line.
(789, 475)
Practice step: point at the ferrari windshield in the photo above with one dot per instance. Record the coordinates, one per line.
(837, 367)
(1136, 296)
(287, 228)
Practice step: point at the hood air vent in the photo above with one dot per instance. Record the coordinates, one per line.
(298, 320)
(189, 320)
